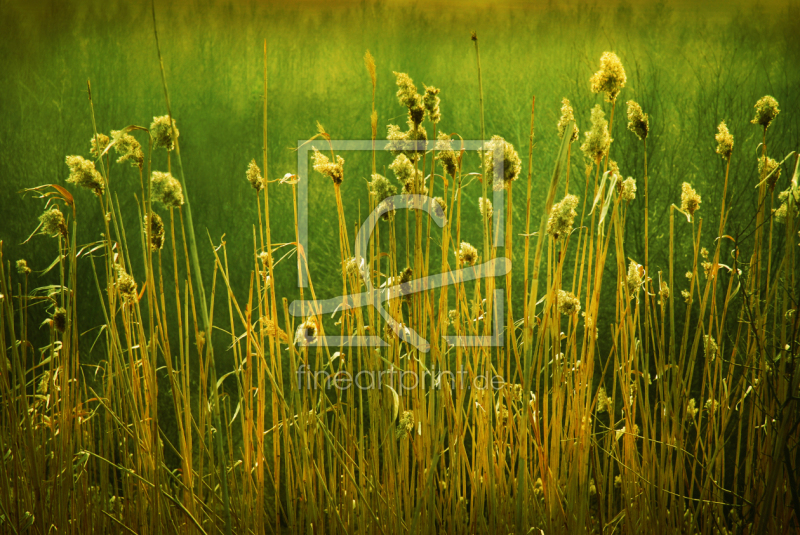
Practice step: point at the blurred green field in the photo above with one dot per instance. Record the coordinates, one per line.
(688, 69)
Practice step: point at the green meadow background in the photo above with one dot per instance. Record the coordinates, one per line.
(688, 69)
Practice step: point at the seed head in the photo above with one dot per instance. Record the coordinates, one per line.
(127, 287)
(155, 231)
(611, 78)
(162, 133)
(354, 269)
(405, 172)
(568, 304)
(380, 188)
(440, 207)
(128, 149)
(102, 140)
(766, 111)
(690, 200)
(603, 401)
(467, 254)
(562, 217)
(597, 140)
(724, 141)
(635, 277)
(567, 115)
(22, 267)
(446, 155)
(83, 173)
(167, 190)
(53, 223)
(691, 409)
(769, 170)
(452, 316)
(406, 424)
(306, 333)
(485, 207)
(323, 166)
(431, 103)
(512, 165)
(59, 319)
(411, 143)
(663, 293)
(408, 97)
(711, 347)
(628, 189)
(254, 176)
(638, 121)
(782, 212)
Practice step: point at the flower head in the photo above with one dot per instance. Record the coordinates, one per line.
(485, 207)
(770, 170)
(512, 165)
(766, 111)
(562, 217)
(98, 144)
(638, 121)
(597, 140)
(411, 143)
(611, 78)
(323, 166)
(306, 333)
(431, 102)
(568, 303)
(690, 200)
(163, 134)
(155, 231)
(406, 424)
(83, 173)
(635, 277)
(254, 176)
(59, 319)
(127, 287)
(408, 97)
(22, 267)
(567, 115)
(167, 190)
(628, 192)
(127, 149)
(53, 223)
(724, 141)
(446, 155)
(467, 254)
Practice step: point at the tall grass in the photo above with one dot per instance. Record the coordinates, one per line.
(651, 409)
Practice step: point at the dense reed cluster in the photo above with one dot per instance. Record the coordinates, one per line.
(682, 427)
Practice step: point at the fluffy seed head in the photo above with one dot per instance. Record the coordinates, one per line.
(638, 121)
(711, 347)
(98, 144)
(83, 173)
(53, 223)
(635, 277)
(724, 141)
(597, 140)
(485, 207)
(431, 103)
(22, 267)
(127, 287)
(562, 217)
(567, 115)
(628, 192)
(306, 333)
(446, 155)
(127, 149)
(167, 190)
(254, 176)
(380, 188)
(323, 166)
(467, 254)
(411, 143)
(568, 303)
(406, 424)
(610, 79)
(512, 165)
(408, 97)
(690, 200)
(766, 111)
(162, 133)
(59, 319)
(155, 231)
(770, 170)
